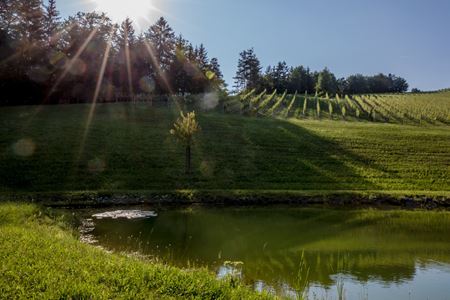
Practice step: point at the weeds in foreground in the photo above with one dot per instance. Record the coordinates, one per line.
(302, 280)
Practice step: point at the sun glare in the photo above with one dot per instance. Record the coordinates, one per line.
(118, 10)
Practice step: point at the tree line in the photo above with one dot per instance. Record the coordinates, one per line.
(282, 78)
(87, 57)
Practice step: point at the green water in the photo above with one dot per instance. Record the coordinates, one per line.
(367, 254)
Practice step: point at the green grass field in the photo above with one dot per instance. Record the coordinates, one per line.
(128, 148)
(42, 259)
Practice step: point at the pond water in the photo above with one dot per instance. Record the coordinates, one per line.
(323, 253)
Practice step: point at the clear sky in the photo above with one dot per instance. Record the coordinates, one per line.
(410, 38)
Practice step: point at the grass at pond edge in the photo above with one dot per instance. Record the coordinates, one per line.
(423, 199)
(42, 258)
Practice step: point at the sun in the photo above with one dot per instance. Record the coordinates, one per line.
(119, 10)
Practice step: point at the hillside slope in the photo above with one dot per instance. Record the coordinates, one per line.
(414, 109)
(128, 147)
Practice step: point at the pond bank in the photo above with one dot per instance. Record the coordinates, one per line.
(34, 241)
(404, 199)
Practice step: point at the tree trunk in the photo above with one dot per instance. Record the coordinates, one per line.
(188, 159)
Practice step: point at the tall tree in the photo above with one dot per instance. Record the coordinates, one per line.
(162, 51)
(202, 58)
(248, 75)
(326, 83)
(127, 34)
(342, 86)
(300, 80)
(199, 81)
(51, 23)
(279, 76)
(179, 67)
(399, 85)
(126, 66)
(379, 83)
(162, 40)
(357, 84)
(86, 42)
(144, 67)
(215, 75)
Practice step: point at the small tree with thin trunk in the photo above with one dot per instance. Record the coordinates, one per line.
(184, 130)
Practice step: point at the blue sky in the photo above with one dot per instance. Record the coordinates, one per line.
(410, 38)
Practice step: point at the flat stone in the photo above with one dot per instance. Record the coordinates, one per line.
(126, 214)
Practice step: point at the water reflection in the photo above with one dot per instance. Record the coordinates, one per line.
(364, 253)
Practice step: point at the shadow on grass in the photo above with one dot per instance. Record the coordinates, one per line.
(274, 154)
(129, 148)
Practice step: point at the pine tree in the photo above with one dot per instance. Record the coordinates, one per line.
(248, 75)
(202, 58)
(127, 34)
(126, 41)
(180, 65)
(279, 76)
(240, 78)
(215, 74)
(190, 52)
(214, 66)
(197, 69)
(144, 68)
(162, 40)
(51, 23)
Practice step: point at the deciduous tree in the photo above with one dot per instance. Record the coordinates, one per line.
(184, 129)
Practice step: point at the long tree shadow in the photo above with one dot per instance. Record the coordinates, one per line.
(249, 153)
(130, 148)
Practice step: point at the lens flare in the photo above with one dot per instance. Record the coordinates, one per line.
(24, 147)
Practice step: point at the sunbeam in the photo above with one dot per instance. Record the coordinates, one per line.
(95, 98)
(71, 63)
(156, 64)
(128, 62)
(67, 69)
(30, 46)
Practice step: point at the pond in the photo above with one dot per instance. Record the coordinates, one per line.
(289, 251)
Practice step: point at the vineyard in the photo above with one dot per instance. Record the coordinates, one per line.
(423, 108)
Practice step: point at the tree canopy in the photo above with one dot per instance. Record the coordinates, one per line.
(282, 77)
(45, 59)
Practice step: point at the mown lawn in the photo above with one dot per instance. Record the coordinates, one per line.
(41, 259)
(128, 147)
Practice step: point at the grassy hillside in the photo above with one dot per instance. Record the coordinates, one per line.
(426, 108)
(128, 147)
(52, 264)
